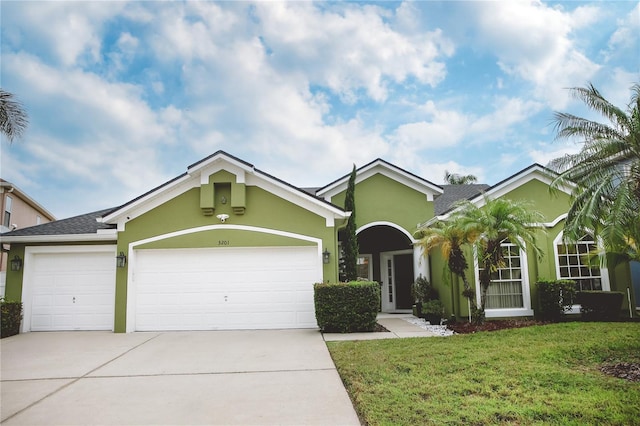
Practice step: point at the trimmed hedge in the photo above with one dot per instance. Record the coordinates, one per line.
(347, 307)
(555, 297)
(11, 316)
(600, 305)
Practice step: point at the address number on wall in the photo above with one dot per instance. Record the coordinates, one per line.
(223, 242)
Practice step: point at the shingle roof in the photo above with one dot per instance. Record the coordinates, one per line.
(454, 193)
(83, 224)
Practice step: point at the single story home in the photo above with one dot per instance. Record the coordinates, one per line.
(228, 246)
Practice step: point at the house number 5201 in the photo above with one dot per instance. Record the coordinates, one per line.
(223, 242)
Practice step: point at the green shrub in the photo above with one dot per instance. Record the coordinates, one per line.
(422, 290)
(600, 305)
(555, 297)
(347, 307)
(11, 316)
(432, 311)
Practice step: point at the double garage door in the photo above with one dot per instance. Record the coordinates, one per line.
(225, 288)
(176, 289)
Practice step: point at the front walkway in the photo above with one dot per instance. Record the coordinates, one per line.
(396, 325)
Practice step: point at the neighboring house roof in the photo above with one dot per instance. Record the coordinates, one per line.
(74, 228)
(430, 189)
(11, 188)
(455, 193)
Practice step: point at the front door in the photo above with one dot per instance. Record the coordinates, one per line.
(396, 275)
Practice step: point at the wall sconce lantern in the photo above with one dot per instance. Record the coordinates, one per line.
(326, 256)
(16, 263)
(121, 260)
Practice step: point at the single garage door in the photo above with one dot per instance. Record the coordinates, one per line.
(72, 291)
(226, 288)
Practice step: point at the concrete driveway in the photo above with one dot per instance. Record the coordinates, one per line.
(214, 377)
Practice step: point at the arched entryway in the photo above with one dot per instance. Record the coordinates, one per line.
(387, 255)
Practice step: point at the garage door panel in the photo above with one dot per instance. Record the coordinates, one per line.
(207, 289)
(72, 291)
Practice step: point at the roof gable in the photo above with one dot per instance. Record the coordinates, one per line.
(533, 172)
(198, 174)
(379, 166)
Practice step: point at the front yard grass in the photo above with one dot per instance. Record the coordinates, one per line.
(535, 375)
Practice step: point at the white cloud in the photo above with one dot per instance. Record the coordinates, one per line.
(443, 128)
(446, 127)
(70, 31)
(348, 48)
(625, 38)
(533, 41)
(544, 155)
(87, 129)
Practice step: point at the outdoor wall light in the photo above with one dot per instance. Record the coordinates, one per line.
(223, 217)
(121, 260)
(326, 256)
(16, 263)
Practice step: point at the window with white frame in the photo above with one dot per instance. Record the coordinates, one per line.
(506, 290)
(6, 220)
(508, 293)
(572, 264)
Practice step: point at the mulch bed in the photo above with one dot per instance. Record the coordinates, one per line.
(623, 370)
(380, 329)
(467, 328)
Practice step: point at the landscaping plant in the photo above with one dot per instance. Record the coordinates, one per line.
(555, 297)
(347, 307)
(10, 317)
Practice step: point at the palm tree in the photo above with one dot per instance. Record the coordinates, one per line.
(487, 227)
(450, 237)
(456, 179)
(606, 171)
(13, 117)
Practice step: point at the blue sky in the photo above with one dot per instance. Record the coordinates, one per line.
(123, 96)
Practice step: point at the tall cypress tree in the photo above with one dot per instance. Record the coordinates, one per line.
(350, 243)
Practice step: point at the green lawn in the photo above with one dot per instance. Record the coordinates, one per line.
(536, 375)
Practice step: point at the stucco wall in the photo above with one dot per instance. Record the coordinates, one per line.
(263, 210)
(380, 198)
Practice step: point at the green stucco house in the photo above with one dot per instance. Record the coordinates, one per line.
(228, 246)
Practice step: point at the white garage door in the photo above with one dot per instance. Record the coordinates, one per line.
(226, 288)
(72, 291)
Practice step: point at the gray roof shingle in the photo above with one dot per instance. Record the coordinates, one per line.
(83, 224)
(454, 193)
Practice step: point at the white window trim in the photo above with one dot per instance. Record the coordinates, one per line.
(8, 208)
(604, 271)
(526, 310)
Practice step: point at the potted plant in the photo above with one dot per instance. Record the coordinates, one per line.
(422, 291)
(432, 311)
